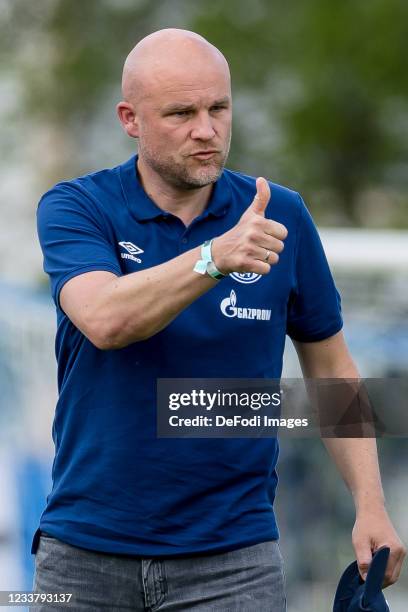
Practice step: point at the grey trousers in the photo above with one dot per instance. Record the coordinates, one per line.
(249, 579)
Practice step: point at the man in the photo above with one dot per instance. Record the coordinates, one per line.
(135, 522)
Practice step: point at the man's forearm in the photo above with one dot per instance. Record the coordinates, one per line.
(355, 458)
(357, 462)
(138, 305)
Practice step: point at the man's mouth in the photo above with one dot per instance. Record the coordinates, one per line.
(204, 154)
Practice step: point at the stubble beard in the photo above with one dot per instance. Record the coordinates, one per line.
(181, 175)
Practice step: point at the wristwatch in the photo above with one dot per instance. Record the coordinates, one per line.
(205, 265)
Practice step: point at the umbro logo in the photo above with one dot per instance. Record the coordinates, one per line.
(132, 251)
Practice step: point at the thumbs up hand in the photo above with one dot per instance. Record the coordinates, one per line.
(254, 243)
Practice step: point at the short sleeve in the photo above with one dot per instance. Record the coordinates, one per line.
(314, 308)
(72, 237)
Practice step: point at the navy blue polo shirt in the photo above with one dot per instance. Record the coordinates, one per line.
(116, 486)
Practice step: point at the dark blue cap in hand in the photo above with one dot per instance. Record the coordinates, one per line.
(355, 595)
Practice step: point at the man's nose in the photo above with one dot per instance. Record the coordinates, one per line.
(203, 128)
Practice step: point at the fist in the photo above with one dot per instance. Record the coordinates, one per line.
(254, 243)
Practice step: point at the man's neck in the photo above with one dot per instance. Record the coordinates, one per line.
(183, 203)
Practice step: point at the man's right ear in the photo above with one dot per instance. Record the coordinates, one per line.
(128, 119)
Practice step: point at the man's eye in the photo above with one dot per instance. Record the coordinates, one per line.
(181, 113)
(217, 108)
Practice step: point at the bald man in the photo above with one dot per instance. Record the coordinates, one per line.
(171, 266)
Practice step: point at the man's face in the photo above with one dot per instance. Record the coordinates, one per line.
(184, 122)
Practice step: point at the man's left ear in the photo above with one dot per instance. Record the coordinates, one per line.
(128, 119)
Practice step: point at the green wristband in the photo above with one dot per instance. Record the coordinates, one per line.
(206, 264)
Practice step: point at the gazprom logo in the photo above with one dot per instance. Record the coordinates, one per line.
(230, 309)
(246, 277)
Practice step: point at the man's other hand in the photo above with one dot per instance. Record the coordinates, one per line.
(372, 530)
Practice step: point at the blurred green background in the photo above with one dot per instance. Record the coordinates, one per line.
(320, 92)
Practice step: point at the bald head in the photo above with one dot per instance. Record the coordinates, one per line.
(177, 104)
(168, 55)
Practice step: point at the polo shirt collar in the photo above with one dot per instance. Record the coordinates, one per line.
(144, 209)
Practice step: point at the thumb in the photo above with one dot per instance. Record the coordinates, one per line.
(262, 197)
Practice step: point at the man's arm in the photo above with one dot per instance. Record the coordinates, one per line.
(357, 461)
(115, 311)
